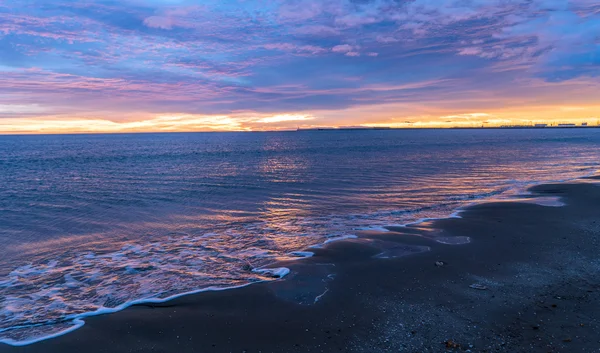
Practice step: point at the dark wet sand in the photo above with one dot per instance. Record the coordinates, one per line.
(540, 265)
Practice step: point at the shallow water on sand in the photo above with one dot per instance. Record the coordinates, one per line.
(93, 222)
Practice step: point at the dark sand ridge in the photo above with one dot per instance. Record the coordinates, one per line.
(540, 265)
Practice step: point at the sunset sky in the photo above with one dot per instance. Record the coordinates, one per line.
(179, 65)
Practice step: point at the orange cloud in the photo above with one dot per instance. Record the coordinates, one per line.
(392, 115)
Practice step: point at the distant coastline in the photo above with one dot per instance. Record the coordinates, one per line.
(366, 128)
(538, 126)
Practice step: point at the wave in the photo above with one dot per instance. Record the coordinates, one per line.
(158, 265)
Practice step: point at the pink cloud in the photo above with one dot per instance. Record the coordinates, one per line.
(159, 22)
(354, 20)
(182, 16)
(346, 49)
(300, 11)
(289, 47)
(386, 39)
(318, 30)
(470, 51)
(342, 48)
(48, 27)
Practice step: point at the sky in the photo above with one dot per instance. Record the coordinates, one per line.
(183, 65)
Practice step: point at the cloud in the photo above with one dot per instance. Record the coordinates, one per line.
(278, 57)
(355, 20)
(470, 51)
(348, 50)
(172, 122)
(285, 117)
(289, 47)
(386, 39)
(20, 109)
(466, 116)
(164, 123)
(159, 22)
(317, 31)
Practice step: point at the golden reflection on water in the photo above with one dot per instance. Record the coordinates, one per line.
(282, 168)
(281, 216)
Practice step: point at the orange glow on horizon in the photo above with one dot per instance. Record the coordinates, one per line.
(380, 116)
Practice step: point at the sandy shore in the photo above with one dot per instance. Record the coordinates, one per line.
(537, 269)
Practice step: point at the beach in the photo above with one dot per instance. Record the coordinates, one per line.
(297, 176)
(528, 281)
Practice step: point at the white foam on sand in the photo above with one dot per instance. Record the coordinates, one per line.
(374, 228)
(88, 270)
(77, 320)
(455, 214)
(273, 272)
(302, 254)
(547, 201)
(334, 239)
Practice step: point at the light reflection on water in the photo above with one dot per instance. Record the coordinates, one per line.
(96, 221)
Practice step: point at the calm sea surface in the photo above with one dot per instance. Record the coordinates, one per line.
(93, 222)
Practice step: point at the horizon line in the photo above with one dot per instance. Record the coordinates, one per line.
(318, 129)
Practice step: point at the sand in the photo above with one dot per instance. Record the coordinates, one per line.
(537, 269)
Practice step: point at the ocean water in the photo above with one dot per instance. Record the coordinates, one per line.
(92, 223)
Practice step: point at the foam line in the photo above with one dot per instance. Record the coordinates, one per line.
(78, 321)
(374, 228)
(302, 254)
(273, 272)
(334, 239)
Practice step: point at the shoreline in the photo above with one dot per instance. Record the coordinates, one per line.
(311, 279)
(78, 320)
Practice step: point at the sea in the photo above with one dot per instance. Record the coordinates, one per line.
(90, 224)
